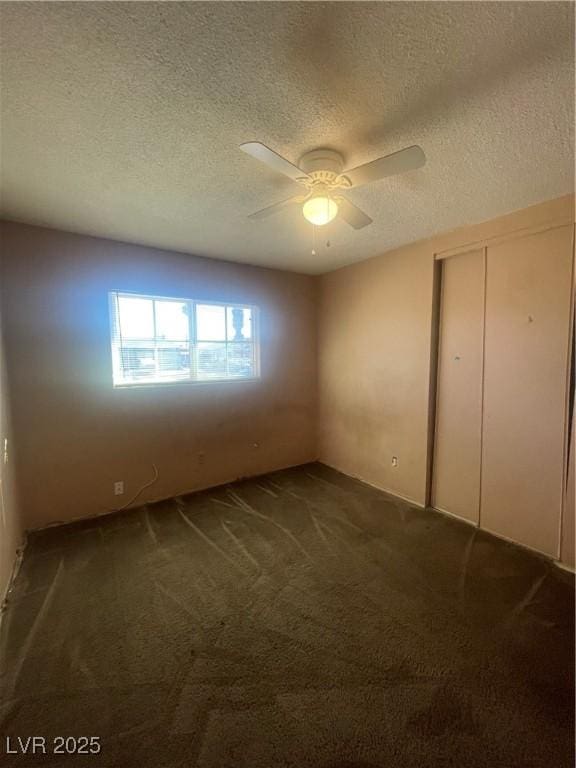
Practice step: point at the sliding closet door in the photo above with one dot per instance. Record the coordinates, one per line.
(457, 448)
(526, 347)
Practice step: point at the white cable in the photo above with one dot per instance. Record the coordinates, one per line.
(133, 499)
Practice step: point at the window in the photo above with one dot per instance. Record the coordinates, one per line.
(157, 340)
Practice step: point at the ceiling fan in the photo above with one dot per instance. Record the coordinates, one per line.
(320, 172)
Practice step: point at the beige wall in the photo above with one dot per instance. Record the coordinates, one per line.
(11, 528)
(76, 435)
(374, 349)
(375, 330)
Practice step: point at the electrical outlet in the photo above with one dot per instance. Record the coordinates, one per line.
(394, 461)
(119, 488)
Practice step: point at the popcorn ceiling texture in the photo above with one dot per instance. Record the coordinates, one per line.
(123, 120)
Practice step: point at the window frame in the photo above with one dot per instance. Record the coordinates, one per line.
(191, 379)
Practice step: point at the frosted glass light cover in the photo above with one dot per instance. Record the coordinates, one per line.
(320, 210)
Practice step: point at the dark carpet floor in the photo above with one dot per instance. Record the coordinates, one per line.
(298, 619)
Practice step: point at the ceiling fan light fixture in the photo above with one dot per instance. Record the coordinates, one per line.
(321, 171)
(320, 210)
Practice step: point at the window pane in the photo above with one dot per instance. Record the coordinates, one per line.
(211, 361)
(138, 362)
(172, 320)
(136, 318)
(151, 341)
(239, 323)
(173, 361)
(210, 322)
(241, 360)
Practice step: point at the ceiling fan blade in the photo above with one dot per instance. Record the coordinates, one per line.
(273, 160)
(272, 209)
(351, 214)
(398, 162)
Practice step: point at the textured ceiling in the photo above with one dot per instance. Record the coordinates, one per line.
(123, 119)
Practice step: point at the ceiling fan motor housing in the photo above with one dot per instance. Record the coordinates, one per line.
(323, 165)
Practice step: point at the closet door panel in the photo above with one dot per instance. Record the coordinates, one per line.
(526, 348)
(456, 472)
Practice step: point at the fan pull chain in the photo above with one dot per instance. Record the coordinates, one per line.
(313, 251)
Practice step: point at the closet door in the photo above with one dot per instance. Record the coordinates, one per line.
(526, 351)
(457, 447)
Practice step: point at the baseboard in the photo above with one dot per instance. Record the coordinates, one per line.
(19, 555)
(499, 536)
(565, 567)
(142, 503)
(527, 547)
(454, 516)
(445, 512)
(387, 491)
(395, 494)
